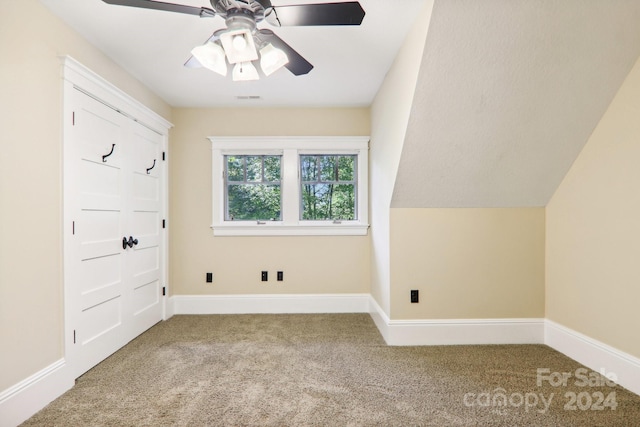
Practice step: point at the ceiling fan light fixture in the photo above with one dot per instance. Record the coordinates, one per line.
(239, 46)
(245, 71)
(239, 42)
(211, 56)
(272, 59)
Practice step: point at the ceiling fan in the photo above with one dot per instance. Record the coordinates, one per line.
(242, 44)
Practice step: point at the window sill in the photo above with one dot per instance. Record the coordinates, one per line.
(290, 230)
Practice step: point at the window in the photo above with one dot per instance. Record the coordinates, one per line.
(252, 188)
(289, 186)
(328, 187)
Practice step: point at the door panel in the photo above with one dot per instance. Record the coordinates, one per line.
(98, 229)
(146, 188)
(146, 297)
(145, 260)
(146, 223)
(145, 204)
(100, 186)
(100, 272)
(100, 322)
(99, 225)
(100, 128)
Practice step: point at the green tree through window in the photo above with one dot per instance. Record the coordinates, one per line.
(252, 188)
(328, 187)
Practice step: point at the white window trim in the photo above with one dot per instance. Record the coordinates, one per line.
(290, 148)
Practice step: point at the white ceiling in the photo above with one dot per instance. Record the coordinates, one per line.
(508, 93)
(350, 61)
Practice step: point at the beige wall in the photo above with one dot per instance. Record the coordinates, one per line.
(593, 231)
(311, 264)
(468, 263)
(31, 311)
(390, 113)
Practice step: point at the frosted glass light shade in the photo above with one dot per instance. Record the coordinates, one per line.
(211, 56)
(239, 46)
(272, 59)
(244, 71)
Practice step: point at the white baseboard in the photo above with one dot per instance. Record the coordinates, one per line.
(23, 400)
(270, 303)
(380, 318)
(466, 331)
(594, 354)
(457, 331)
(168, 308)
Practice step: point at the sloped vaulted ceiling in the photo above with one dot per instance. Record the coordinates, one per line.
(508, 93)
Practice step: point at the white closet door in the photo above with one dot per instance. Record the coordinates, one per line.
(114, 197)
(96, 181)
(145, 206)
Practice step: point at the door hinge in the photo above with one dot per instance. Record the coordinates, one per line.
(73, 118)
(163, 156)
(73, 228)
(74, 336)
(164, 291)
(164, 223)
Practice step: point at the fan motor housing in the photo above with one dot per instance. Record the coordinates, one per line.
(240, 18)
(237, 8)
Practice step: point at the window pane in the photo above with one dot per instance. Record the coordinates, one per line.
(344, 202)
(272, 168)
(253, 188)
(346, 166)
(327, 168)
(235, 168)
(254, 168)
(253, 202)
(314, 201)
(328, 202)
(308, 168)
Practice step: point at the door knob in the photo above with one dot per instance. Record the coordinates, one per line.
(124, 242)
(132, 242)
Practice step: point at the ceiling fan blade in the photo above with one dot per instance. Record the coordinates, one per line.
(169, 7)
(192, 62)
(297, 64)
(346, 13)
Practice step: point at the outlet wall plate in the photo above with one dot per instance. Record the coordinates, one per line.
(414, 296)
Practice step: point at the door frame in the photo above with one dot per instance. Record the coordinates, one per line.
(78, 77)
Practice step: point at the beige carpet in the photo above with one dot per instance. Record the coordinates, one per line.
(327, 370)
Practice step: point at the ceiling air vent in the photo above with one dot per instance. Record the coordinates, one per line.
(248, 97)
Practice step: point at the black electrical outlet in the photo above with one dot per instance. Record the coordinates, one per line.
(280, 276)
(265, 276)
(209, 277)
(414, 296)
